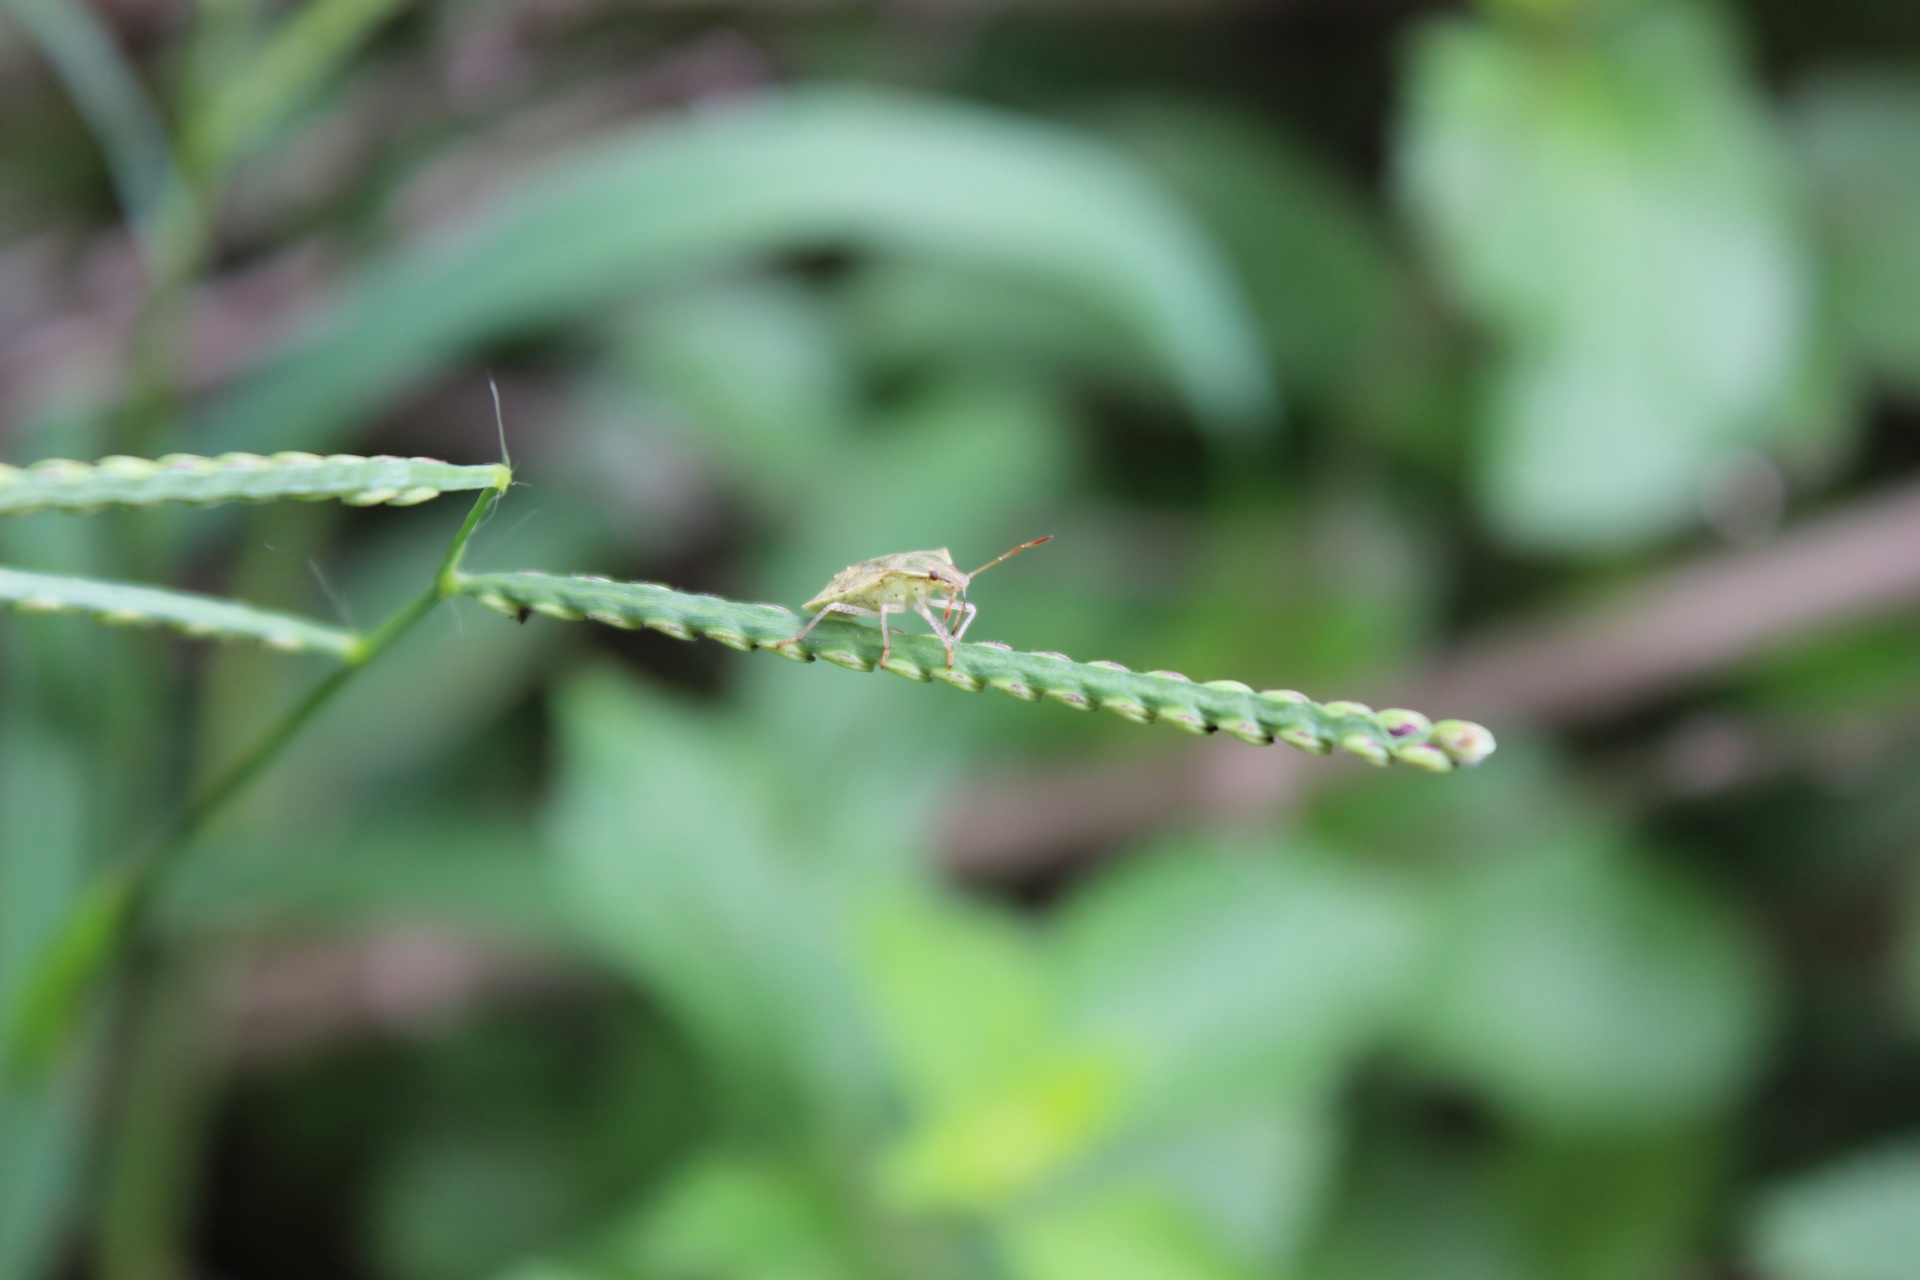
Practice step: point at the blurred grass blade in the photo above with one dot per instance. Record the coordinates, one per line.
(1261, 718)
(49, 790)
(61, 485)
(1857, 140)
(203, 617)
(866, 170)
(247, 109)
(107, 93)
(58, 982)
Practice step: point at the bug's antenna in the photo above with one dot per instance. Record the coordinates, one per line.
(1010, 555)
(499, 420)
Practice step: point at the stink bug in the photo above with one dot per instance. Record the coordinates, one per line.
(887, 585)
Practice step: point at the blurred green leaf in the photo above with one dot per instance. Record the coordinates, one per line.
(1610, 1209)
(674, 864)
(962, 991)
(866, 169)
(1259, 1175)
(1228, 972)
(987, 1149)
(732, 1217)
(1134, 1235)
(1858, 145)
(1589, 993)
(936, 318)
(1610, 202)
(999, 1099)
(1855, 1220)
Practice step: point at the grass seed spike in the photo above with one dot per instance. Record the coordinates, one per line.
(887, 585)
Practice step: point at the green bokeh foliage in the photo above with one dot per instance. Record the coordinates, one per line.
(1320, 340)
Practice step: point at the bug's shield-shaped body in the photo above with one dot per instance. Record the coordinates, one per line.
(902, 578)
(886, 585)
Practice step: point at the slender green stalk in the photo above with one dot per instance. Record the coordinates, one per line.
(113, 914)
(61, 485)
(365, 649)
(204, 617)
(1275, 715)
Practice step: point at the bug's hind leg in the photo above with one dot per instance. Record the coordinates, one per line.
(886, 636)
(827, 610)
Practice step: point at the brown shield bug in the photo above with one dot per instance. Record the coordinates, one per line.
(887, 585)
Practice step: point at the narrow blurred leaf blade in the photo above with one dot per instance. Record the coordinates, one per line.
(1857, 140)
(865, 169)
(122, 117)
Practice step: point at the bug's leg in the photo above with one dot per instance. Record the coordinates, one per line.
(946, 608)
(886, 636)
(946, 639)
(960, 632)
(821, 617)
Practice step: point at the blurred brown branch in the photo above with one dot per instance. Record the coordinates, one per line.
(1571, 667)
(296, 996)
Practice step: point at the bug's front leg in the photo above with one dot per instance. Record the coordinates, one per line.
(966, 620)
(946, 638)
